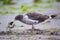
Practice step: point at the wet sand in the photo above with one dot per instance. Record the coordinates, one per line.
(29, 37)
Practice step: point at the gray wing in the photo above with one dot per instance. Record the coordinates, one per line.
(34, 16)
(37, 16)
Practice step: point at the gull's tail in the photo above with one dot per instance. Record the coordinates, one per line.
(53, 16)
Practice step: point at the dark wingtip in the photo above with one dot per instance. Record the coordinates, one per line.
(53, 16)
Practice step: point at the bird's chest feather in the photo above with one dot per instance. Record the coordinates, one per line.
(28, 21)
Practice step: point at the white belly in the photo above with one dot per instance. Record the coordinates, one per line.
(29, 21)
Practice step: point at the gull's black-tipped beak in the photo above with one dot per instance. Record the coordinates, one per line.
(13, 21)
(53, 16)
(10, 24)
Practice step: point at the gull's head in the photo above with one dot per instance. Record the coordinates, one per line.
(19, 17)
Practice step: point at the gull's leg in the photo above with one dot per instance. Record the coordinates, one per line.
(32, 28)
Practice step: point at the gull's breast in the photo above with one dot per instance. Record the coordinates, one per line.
(29, 21)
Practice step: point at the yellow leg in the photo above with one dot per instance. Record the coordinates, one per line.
(32, 28)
